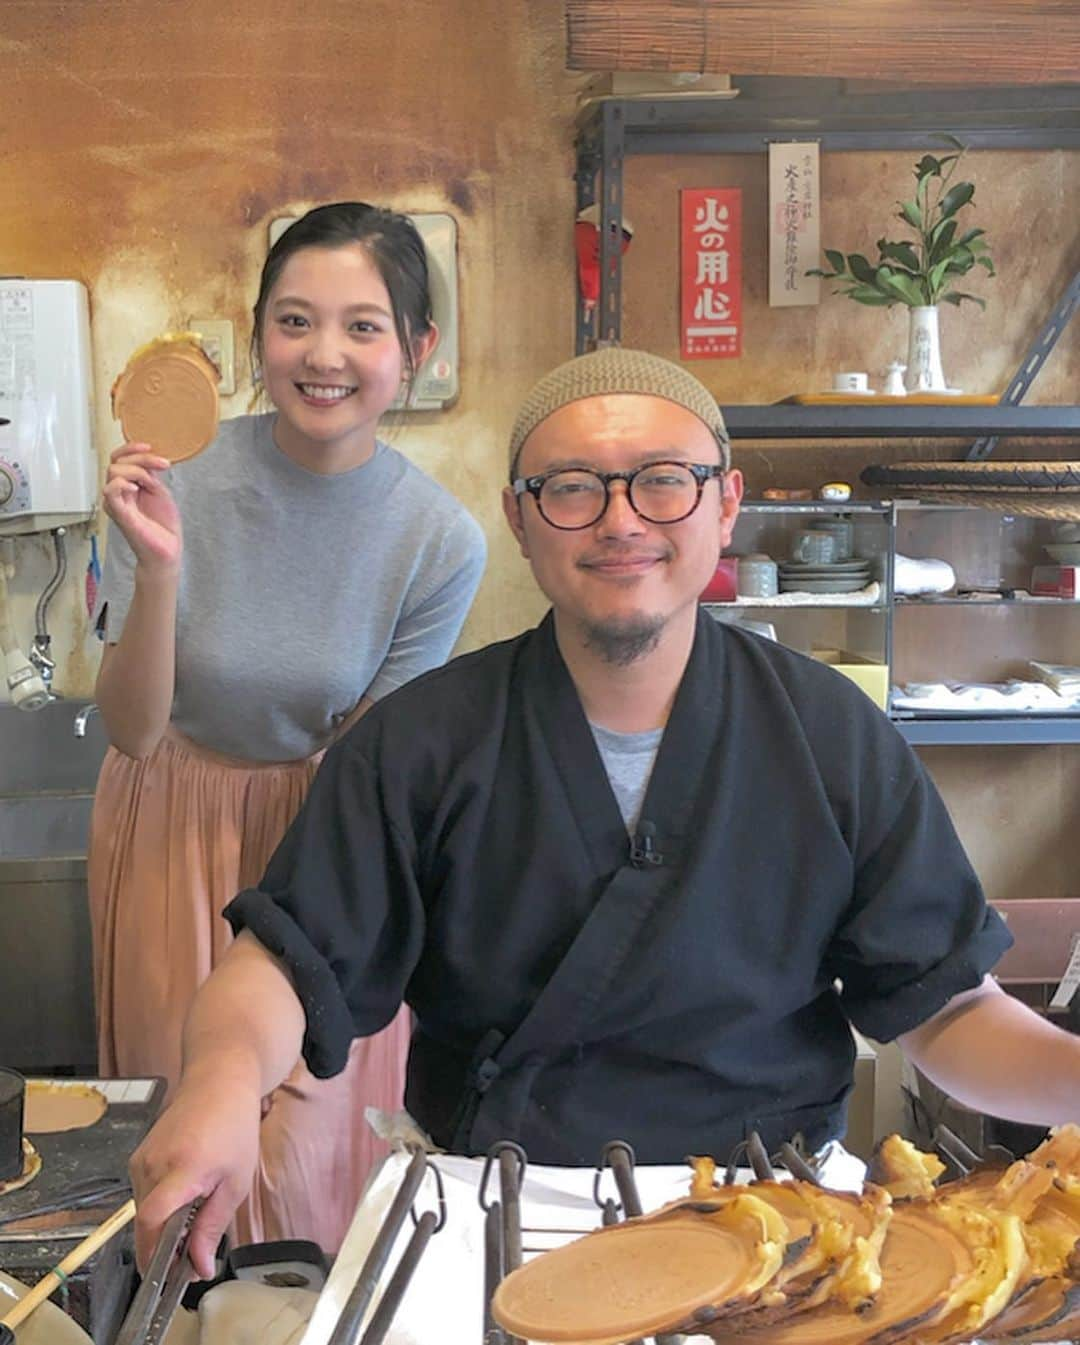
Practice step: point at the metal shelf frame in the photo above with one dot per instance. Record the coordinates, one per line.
(934, 421)
(609, 129)
(986, 731)
(1027, 117)
(1003, 118)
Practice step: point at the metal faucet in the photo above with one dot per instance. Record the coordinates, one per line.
(40, 658)
(79, 727)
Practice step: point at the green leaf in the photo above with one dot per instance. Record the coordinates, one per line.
(940, 238)
(910, 212)
(918, 271)
(956, 197)
(936, 277)
(957, 297)
(866, 294)
(903, 253)
(959, 262)
(906, 289)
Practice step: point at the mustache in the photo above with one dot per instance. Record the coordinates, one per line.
(618, 553)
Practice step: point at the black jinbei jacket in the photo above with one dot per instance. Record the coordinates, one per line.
(462, 849)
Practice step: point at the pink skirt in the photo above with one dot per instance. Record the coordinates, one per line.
(174, 837)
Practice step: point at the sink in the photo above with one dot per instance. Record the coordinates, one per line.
(44, 826)
(47, 779)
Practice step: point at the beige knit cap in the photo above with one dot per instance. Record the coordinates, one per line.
(615, 369)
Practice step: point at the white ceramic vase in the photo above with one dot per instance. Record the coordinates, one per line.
(924, 372)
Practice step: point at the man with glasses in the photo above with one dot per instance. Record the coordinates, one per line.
(636, 873)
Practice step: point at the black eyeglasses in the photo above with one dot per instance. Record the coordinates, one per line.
(577, 497)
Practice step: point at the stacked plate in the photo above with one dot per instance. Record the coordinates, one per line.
(843, 576)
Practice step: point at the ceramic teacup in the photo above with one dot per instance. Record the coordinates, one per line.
(851, 380)
(814, 548)
(758, 577)
(844, 532)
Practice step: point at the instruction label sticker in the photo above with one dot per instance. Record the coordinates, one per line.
(1070, 982)
(18, 375)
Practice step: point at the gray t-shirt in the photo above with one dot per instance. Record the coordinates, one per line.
(628, 759)
(300, 593)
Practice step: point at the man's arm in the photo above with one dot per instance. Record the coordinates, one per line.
(996, 1055)
(242, 1038)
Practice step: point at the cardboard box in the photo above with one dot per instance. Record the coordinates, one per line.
(872, 677)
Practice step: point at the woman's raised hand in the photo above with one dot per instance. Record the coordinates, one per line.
(142, 507)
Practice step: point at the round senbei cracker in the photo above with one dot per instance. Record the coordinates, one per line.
(167, 397)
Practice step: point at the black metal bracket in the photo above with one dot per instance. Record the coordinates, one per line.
(1034, 359)
(600, 151)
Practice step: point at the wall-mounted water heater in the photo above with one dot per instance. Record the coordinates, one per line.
(437, 382)
(48, 468)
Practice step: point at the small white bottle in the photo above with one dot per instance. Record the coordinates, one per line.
(894, 379)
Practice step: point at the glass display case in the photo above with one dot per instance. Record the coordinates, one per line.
(986, 629)
(833, 605)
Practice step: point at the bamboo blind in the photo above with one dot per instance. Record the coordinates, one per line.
(914, 41)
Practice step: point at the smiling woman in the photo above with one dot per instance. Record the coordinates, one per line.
(256, 600)
(341, 322)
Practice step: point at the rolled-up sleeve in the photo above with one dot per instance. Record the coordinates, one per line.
(340, 907)
(918, 930)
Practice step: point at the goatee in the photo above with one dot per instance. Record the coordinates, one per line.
(622, 642)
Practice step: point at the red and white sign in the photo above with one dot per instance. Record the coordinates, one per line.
(711, 264)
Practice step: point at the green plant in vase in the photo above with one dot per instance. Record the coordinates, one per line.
(921, 272)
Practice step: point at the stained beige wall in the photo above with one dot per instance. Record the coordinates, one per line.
(148, 145)
(1026, 201)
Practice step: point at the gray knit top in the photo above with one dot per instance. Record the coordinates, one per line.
(300, 592)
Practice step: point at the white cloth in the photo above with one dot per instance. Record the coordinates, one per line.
(922, 576)
(242, 1312)
(1013, 696)
(860, 597)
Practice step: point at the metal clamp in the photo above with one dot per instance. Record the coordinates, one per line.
(502, 1228)
(168, 1275)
